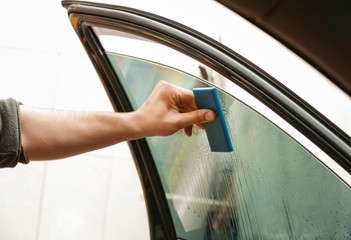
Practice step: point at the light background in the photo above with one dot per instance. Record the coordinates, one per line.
(92, 196)
(98, 195)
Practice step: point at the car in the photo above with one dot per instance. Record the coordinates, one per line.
(289, 174)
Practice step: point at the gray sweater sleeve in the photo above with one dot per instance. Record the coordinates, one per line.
(11, 150)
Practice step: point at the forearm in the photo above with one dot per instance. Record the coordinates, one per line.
(52, 134)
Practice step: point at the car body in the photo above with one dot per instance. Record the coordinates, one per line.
(289, 174)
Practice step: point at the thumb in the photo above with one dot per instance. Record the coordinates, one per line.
(196, 117)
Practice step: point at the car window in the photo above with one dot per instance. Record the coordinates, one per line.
(269, 187)
(261, 49)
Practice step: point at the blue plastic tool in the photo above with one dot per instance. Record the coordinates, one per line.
(217, 130)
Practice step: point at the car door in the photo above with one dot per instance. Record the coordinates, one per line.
(289, 174)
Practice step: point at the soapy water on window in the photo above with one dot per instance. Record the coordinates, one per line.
(268, 188)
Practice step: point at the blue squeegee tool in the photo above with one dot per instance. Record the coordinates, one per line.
(217, 130)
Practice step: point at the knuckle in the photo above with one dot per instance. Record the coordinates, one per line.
(198, 117)
(162, 84)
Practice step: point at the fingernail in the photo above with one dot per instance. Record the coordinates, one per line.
(209, 116)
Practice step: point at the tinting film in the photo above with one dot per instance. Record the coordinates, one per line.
(269, 187)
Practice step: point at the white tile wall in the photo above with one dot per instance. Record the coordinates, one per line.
(74, 198)
(28, 75)
(130, 207)
(92, 196)
(21, 192)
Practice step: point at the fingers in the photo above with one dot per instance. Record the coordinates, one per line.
(195, 117)
(178, 104)
(188, 130)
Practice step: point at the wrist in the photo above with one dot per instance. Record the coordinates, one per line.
(138, 125)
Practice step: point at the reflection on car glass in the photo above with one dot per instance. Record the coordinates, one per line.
(110, 32)
(268, 188)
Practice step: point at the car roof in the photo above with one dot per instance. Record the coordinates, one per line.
(318, 31)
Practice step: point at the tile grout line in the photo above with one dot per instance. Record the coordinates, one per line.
(123, 158)
(41, 201)
(28, 50)
(53, 102)
(106, 204)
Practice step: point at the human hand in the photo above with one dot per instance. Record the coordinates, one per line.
(170, 108)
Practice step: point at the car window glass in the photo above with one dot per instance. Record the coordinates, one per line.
(269, 187)
(261, 49)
